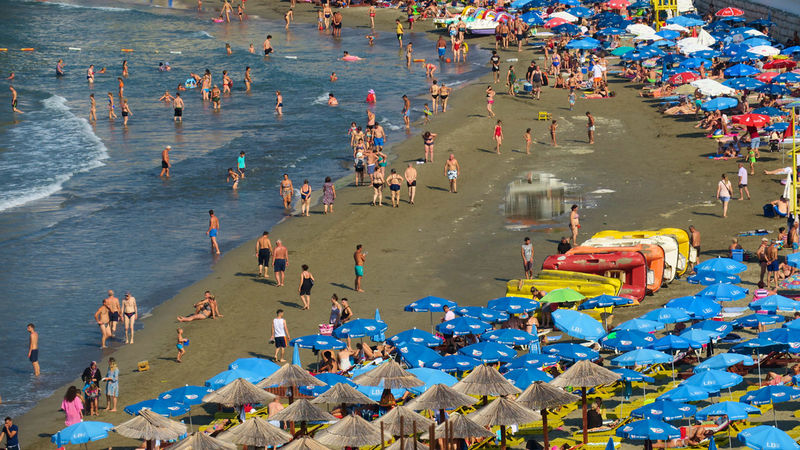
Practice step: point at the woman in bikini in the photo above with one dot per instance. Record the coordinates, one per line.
(428, 139)
(227, 82)
(377, 188)
(372, 16)
(444, 92)
(490, 100)
(126, 111)
(111, 114)
(129, 314)
(305, 198)
(247, 78)
(435, 91)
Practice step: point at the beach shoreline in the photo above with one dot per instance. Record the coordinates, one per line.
(451, 245)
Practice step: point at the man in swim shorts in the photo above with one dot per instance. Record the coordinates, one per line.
(33, 348)
(286, 192)
(280, 262)
(268, 45)
(114, 311)
(495, 62)
(213, 230)
(14, 100)
(165, 164)
(411, 181)
(378, 137)
(451, 171)
(177, 103)
(263, 251)
(101, 316)
(359, 257)
(773, 264)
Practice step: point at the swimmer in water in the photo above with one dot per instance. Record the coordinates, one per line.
(228, 49)
(14, 100)
(92, 109)
(227, 82)
(177, 103)
(233, 175)
(371, 39)
(126, 111)
(334, 77)
(247, 78)
(252, 49)
(90, 74)
(332, 100)
(268, 45)
(278, 103)
(125, 68)
(166, 98)
(60, 68)
(111, 114)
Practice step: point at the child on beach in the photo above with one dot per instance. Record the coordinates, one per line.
(426, 110)
(180, 345)
(553, 127)
(571, 99)
(92, 392)
(498, 135)
(240, 163)
(751, 158)
(528, 141)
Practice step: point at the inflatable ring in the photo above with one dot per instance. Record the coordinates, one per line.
(27, 49)
(127, 50)
(419, 60)
(3, 49)
(190, 83)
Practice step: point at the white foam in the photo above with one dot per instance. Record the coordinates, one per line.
(205, 34)
(101, 8)
(290, 57)
(603, 191)
(65, 145)
(321, 100)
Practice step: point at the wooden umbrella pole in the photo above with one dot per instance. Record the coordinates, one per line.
(432, 441)
(414, 435)
(383, 438)
(544, 429)
(402, 435)
(503, 437)
(585, 430)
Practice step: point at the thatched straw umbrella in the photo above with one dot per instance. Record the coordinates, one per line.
(440, 397)
(389, 375)
(256, 432)
(460, 427)
(149, 426)
(540, 396)
(342, 393)
(402, 421)
(290, 375)
(239, 392)
(585, 374)
(202, 441)
(352, 431)
(302, 411)
(504, 411)
(485, 381)
(304, 443)
(408, 444)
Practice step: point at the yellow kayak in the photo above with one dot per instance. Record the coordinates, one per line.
(680, 235)
(515, 288)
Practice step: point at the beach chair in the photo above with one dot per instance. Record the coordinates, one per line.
(543, 115)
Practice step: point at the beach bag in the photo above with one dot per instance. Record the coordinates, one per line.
(769, 211)
(545, 81)
(325, 329)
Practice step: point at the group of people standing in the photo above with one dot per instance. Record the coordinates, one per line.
(111, 312)
(78, 403)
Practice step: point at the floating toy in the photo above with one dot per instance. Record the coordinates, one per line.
(127, 50)
(27, 49)
(76, 49)
(419, 60)
(190, 83)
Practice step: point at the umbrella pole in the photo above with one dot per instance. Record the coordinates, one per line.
(432, 329)
(773, 413)
(432, 441)
(502, 437)
(585, 430)
(759, 367)
(414, 435)
(383, 438)
(402, 435)
(544, 428)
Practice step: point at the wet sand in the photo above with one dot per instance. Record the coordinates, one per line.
(450, 245)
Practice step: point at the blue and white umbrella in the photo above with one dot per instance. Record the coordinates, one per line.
(632, 375)
(626, 340)
(685, 393)
(580, 11)
(697, 335)
(532, 18)
(429, 304)
(430, 377)
(733, 411)
(417, 355)
(318, 342)
(522, 378)
(640, 325)
(578, 324)
(666, 410)
(769, 110)
(228, 376)
(724, 292)
(786, 336)
(774, 303)
(754, 320)
(188, 395)
(81, 433)
(415, 336)
(513, 305)
(330, 379)
(742, 83)
(725, 265)
(717, 327)
(455, 363)
(584, 44)
(697, 307)
(259, 366)
(666, 315)
(604, 301)
(786, 77)
(649, 429)
(714, 380)
(531, 360)
(740, 70)
(771, 394)
(641, 357)
(674, 342)
(723, 361)
(572, 352)
(489, 352)
(765, 437)
(463, 325)
(773, 89)
(509, 336)
(360, 328)
(167, 408)
(705, 277)
(481, 313)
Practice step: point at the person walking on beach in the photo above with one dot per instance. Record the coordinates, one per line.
(409, 54)
(336, 23)
(694, 247)
(306, 283)
(360, 257)
(451, 171)
(112, 385)
(181, 344)
(743, 182)
(411, 181)
(394, 180)
(428, 139)
(328, 195)
(377, 187)
(177, 104)
(280, 262)
(72, 405)
(406, 111)
(494, 61)
(92, 108)
(286, 192)
(378, 136)
(114, 310)
(101, 316)
(213, 230)
(263, 252)
(372, 17)
(490, 100)
(553, 128)
(498, 136)
(130, 312)
(399, 30)
(527, 258)
(165, 164)
(11, 433)
(528, 141)
(305, 198)
(33, 348)
(279, 335)
(590, 126)
(574, 224)
(724, 193)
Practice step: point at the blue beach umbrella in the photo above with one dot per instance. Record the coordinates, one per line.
(685, 393)
(81, 433)
(532, 18)
(672, 58)
(685, 21)
(415, 336)
(188, 395)
(417, 355)
(787, 336)
(513, 305)
(571, 352)
(774, 303)
(376, 392)
(697, 307)
(666, 315)
(792, 325)
(697, 335)
(578, 324)
(583, 44)
(531, 360)
(760, 344)
(626, 340)
(454, 363)
(641, 357)
(705, 54)
(360, 328)
(780, 127)
(754, 320)
(791, 50)
(604, 301)
(640, 325)
(714, 380)
(742, 83)
(669, 34)
(723, 292)
(765, 437)
(770, 111)
(733, 410)
(509, 336)
(735, 50)
(489, 352)
(756, 42)
(330, 379)
(723, 361)
(430, 377)
(666, 410)
(693, 63)
(522, 378)
(744, 57)
(771, 394)
(619, 51)
(725, 265)
(380, 337)
(773, 89)
(632, 375)
(567, 28)
(481, 313)
(258, 366)
(719, 103)
(707, 278)
(167, 408)
(228, 376)
(296, 356)
(739, 70)
(761, 23)
(429, 304)
(463, 325)
(318, 342)
(580, 11)
(674, 342)
(649, 429)
(611, 31)
(717, 327)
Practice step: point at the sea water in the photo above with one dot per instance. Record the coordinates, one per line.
(82, 208)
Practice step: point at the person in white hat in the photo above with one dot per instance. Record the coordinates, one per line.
(165, 164)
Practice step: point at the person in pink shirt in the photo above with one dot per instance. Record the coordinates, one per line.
(73, 406)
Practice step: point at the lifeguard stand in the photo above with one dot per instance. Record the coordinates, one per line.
(662, 10)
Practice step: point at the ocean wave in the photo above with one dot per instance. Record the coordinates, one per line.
(321, 100)
(100, 8)
(204, 34)
(65, 145)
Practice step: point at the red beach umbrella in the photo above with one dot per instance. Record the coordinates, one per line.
(729, 12)
(618, 4)
(780, 64)
(554, 22)
(766, 77)
(683, 78)
(751, 120)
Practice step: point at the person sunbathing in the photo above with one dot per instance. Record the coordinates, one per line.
(202, 311)
(694, 436)
(329, 363)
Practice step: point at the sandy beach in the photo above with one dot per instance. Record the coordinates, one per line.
(644, 171)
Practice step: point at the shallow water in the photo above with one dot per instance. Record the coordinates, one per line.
(82, 209)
